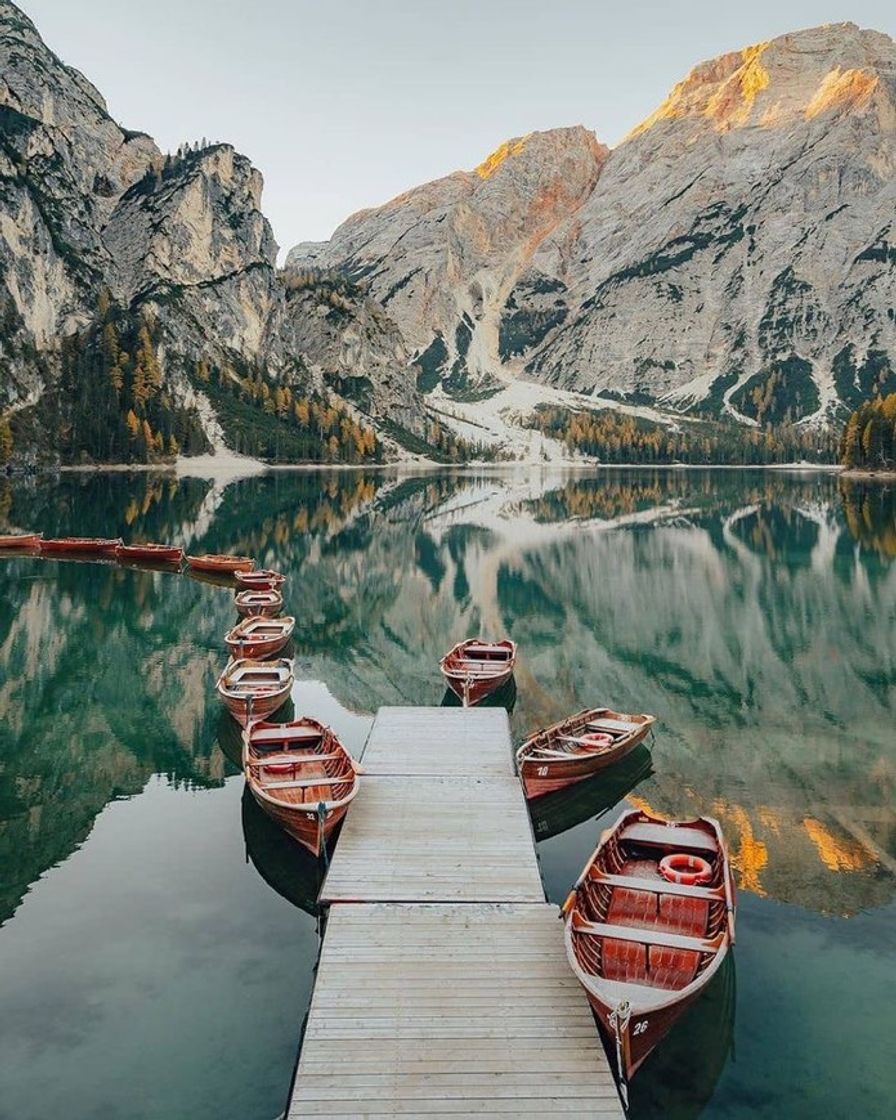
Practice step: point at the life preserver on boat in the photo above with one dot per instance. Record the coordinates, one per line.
(278, 767)
(684, 868)
(597, 739)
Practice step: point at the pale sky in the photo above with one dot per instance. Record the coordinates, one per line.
(343, 104)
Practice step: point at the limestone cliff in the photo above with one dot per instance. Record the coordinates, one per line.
(443, 258)
(733, 255)
(89, 214)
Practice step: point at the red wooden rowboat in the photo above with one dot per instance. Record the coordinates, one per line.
(267, 603)
(261, 580)
(255, 689)
(301, 776)
(20, 540)
(221, 563)
(578, 747)
(94, 546)
(648, 924)
(154, 553)
(259, 636)
(475, 668)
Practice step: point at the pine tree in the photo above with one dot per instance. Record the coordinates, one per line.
(6, 441)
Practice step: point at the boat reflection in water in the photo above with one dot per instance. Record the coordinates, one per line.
(284, 864)
(679, 1078)
(503, 697)
(557, 812)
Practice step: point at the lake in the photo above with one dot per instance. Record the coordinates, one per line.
(158, 935)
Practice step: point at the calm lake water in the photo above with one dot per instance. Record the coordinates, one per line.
(158, 936)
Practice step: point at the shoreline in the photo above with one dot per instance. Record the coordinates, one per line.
(231, 468)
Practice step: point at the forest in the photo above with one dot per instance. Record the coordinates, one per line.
(615, 437)
(869, 436)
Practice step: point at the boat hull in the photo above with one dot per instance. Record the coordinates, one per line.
(221, 565)
(150, 554)
(260, 581)
(248, 603)
(644, 1030)
(81, 546)
(302, 823)
(477, 689)
(261, 706)
(541, 777)
(258, 648)
(20, 541)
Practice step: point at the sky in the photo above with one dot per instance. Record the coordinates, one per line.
(343, 104)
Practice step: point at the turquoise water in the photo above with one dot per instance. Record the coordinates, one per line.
(158, 936)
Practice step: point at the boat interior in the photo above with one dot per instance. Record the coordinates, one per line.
(263, 627)
(250, 678)
(300, 765)
(638, 929)
(589, 735)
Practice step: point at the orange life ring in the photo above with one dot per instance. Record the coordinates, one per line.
(684, 868)
(597, 739)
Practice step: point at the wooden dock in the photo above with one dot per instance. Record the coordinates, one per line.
(443, 985)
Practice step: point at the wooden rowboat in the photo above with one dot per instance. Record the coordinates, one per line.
(221, 563)
(578, 747)
(94, 546)
(20, 540)
(259, 636)
(255, 689)
(150, 553)
(301, 776)
(266, 603)
(263, 579)
(643, 937)
(475, 668)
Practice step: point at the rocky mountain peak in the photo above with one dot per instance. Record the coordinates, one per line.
(443, 257)
(799, 76)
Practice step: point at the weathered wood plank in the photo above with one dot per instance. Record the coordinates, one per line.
(412, 839)
(437, 742)
(503, 1031)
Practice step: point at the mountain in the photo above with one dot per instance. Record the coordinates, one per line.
(733, 260)
(734, 256)
(102, 237)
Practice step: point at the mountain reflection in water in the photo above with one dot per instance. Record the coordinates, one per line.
(754, 613)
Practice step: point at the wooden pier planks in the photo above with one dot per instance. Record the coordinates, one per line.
(439, 742)
(439, 816)
(431, 840)
(443, 986)
(459, 1010)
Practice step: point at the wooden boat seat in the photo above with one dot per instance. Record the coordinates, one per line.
(669, 836)
(646, 936)
(631, 908)
(487, 651)
(292, 759)
(644, 909)
(671, 969)
(557, 756)
(658, 886)
(285, 735)
(594, 748)
(660, 966)
(478, 671)
(622, 725)
(623, 960)
(305, 783)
